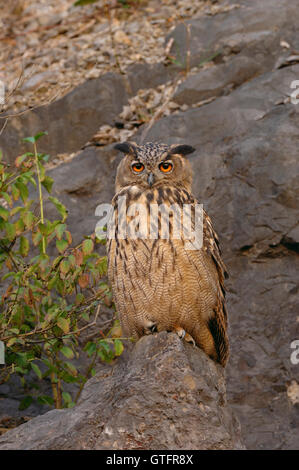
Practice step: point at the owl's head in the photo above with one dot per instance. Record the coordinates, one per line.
(153, 164)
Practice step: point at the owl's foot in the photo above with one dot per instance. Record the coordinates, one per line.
(150, 328)
(184, 335)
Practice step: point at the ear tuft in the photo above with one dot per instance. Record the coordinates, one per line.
(126, 147)
(182, 149)
(123, 147)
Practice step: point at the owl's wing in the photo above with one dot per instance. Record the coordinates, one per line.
(218, 322)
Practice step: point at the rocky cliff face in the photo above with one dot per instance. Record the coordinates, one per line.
(164, 394)
(245, 168)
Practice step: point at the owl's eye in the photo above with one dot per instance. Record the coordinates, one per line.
(137, 167)
(165, 167)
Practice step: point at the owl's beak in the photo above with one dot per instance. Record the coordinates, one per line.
(151, 179)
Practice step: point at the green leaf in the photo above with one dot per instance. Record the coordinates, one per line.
(25, 402)
(118, 347)
(45, 400)
(15, 192)
(43, 157)
(48, 183)
(36, 370)
(66, 398)
(34, 138)
(28, 219)
(84, 2)
(4, 213)
(19, 225)
(23, 190)
(10, 230)
(60, 207)
(79, 299)
(7, 198)
(87, 246)
(61, 245)
(24, 246)
(64, 324)
(72, 369)
(64, 266)
(36, 237)
(90, 348)
(67, 352)
(59, 229)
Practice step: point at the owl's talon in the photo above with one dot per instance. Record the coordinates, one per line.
(184, 335)
(180, 332)
(190, 340)
(150, 328)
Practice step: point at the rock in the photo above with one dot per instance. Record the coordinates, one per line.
(255, 28)
(92, 174)
(72, 120)
(38, 79)
(215, 81)
(164, 394)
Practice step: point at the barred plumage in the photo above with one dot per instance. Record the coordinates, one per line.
(158, 284)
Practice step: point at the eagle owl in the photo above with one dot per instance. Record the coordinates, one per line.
(159, 284)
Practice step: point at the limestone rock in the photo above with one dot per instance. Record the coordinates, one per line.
(164, 394)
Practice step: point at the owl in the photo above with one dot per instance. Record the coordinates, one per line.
(159, 282)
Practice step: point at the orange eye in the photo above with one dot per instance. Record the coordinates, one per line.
(165, 167)
(137, 167)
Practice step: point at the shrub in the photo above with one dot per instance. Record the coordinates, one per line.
(47, 300)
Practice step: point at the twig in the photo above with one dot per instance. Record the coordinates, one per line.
(53, 98)
(4, 125)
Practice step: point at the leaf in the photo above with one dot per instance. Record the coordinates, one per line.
(11, 342)
(15, 192)
(4, 213)
(25, 402)
(37, 370)
(64, 266)
(10, 230)
(34, 138)
(64, 324)
(67, 352)
(60, 207)
(61, 245)
(72, 369)
(79, 299)
(68, 237)
(78, 257)
(87, 246)
(66, 398)
(24, 246)
(36, 237)
(90, 348)
(84, 2)
(19, 160)
(48, 183)
(19, 225)
(45, 400)
(118, 347)
(43, 157)
(59, 229)
(7, 198)
(43, 261)
(28, 219)
(83, 280)
(23, 190)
